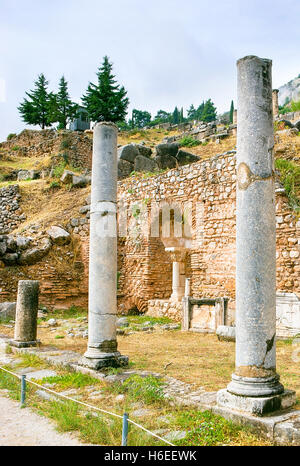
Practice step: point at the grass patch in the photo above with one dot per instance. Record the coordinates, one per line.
(153, 320)
(207, 429)
(11, 383)
(72, 313)
(31, 360)
(148, 389)
(290, 178)
(71, 380)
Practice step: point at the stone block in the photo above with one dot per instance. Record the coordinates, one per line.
(258, 406)
(225, 333)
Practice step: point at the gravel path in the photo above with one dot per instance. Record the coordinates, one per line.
(22, 427)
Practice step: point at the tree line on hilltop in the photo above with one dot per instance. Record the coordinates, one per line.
(104, 101)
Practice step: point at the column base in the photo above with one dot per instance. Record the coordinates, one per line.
(24, 344)
(255, 386)
(103, 360)
(258, 406)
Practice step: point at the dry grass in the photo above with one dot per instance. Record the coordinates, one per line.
(46, 207)
(151, 137)
(195, 358)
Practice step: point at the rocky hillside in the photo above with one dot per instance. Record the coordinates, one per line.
(289, 91)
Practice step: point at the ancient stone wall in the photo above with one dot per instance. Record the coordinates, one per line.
(10, 213)
(210, 185)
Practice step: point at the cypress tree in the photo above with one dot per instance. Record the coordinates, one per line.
(175, 116)
(106, 100)
(231, 112)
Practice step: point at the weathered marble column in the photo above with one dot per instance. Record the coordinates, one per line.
(178, 275)
(255, 372)
(275, 102)
(102, 342)
(26, 314)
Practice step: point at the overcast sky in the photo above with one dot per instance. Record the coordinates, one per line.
(165, 52)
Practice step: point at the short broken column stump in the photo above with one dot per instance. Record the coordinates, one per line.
(26, 315)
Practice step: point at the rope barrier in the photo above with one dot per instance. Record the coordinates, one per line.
(88, 405)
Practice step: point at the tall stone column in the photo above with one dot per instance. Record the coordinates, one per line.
(102, 341)
(255, 385)
(275, 102)
(26, 314)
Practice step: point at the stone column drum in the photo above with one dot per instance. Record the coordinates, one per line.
(102, 342)
(255, 379)
(26, 314)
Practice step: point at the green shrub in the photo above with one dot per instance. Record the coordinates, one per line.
(15, 148)
(54, 185)
(290, 178)
(11, 136)
(59, 169)
(188, 141)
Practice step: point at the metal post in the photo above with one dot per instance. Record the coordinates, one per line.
(23, 390)
(125, 430)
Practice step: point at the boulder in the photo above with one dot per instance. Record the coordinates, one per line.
(297, 125)
(2, 248)
(225, 333)
(10, 258)
(30, 256)
(58, 235)
(84, 209)
(143, 164)
(122, 322)
(28, 175)
(11, 244)
(124, 168)
(184, 157)
(7, 310)
(80, 181)
(23, 242)
(128, 152)
(167, 149)
(67, 177)
(144, 150)
(166, 161)
(286, 123)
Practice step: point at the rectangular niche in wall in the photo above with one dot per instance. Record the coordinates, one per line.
(204, 315)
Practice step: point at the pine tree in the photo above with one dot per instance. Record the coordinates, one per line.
(62, 108)
(106, 100)
(191, 113)
(36, 109)
(199, 112)
(209, 111)
(231, 112)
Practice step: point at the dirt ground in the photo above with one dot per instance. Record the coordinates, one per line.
(191, 357)
(22, 427)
